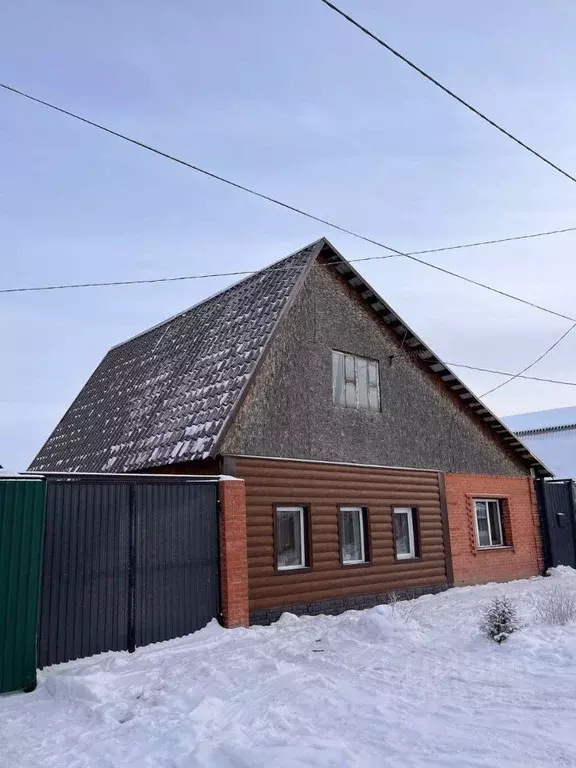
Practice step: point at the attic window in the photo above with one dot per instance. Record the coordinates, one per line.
(355, 381)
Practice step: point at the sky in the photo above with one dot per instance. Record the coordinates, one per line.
(288, 98)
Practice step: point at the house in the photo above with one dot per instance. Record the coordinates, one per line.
(368, 465)
(551, 435)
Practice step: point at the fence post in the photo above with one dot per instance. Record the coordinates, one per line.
(233, 553)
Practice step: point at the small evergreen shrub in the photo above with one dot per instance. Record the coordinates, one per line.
(500, 619)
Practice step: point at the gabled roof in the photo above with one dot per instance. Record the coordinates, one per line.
(169, 394)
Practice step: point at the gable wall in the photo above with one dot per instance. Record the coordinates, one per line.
(288, 411)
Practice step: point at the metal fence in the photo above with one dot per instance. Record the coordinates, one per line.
(128, 560)
(557, 507)
(21, 525)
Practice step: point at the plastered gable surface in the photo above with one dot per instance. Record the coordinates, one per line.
(288, 410)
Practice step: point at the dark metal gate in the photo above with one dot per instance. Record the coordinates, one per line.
(176, 579)
(127, 561)
(558, 519)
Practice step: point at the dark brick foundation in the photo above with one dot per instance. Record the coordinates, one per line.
(338, 605)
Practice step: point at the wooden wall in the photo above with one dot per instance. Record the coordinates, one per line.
(324, 487)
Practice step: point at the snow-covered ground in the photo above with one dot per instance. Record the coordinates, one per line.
(410, 685)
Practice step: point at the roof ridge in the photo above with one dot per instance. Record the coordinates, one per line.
(218, 293)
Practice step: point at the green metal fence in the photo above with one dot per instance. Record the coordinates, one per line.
(21, 531)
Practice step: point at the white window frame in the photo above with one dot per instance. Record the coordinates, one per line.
(369, 361)
(500, 524)
(360, 512)
(411, 555)
(302, 564)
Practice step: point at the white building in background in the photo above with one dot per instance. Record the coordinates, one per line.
(551, 435)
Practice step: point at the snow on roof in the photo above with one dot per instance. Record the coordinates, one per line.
(183, 375)
(557, 449)
(551, 435)
(556, 417)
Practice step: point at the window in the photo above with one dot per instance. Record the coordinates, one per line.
(489, 528)
(405, 530)
(353, 535)
(355, 381)
(290, 532)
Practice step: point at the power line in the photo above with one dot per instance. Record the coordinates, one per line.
(318, 219)
(476, 244)
(532, 364)
(252, 272)
(241, 273)
(143, 281)
(491, 242)
(491, 288)
(515, 375)
(197, 168)
(451, 93)
(269, 199)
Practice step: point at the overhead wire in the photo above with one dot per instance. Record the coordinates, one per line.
(240, 273)
(499, 240)
(197, 168)
(515, 375)
(294, 209)
(142, 281)
(532, 364)
(269, 199)
(491, 122)
(446, 90)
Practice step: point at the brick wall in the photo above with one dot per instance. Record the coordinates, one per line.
(522, 557)
(233, 553)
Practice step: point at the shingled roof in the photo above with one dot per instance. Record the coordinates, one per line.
(168, 394)
(164, 396)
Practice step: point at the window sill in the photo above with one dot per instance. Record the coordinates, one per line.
(496, 547)
(400, 560)
(373, 411)
(288, 571)
(350, 566)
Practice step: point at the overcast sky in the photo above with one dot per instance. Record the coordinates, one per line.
(285, 96)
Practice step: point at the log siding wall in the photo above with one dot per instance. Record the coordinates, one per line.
(325, 487)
